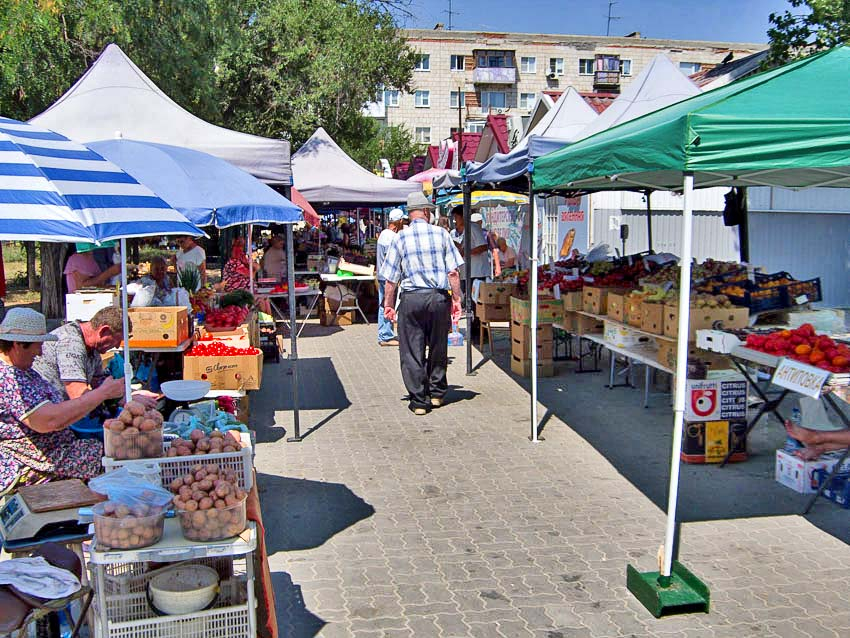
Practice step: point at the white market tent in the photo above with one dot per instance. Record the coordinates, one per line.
(326, 176)
(114, 98)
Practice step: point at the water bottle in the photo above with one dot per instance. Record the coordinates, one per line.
(792, 444)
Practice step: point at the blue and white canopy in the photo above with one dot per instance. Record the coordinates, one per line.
(53, 189)
(207, 189)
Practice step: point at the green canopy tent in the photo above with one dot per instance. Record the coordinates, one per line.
(788, 127)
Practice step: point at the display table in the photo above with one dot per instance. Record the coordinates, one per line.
(745, 359)
(314, 294)
(357, 282)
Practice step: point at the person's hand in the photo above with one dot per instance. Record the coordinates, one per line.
(457, 310)
(114, 269)
(389, 314)
(146, 397)
(111, 388)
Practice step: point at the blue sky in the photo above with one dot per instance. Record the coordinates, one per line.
(723, 20)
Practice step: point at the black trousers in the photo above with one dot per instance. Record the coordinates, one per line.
(424, 319)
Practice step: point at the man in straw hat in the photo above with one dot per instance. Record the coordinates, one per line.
(425, 262)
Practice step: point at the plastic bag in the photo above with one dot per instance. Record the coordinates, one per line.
(122, 486)
(144, 297)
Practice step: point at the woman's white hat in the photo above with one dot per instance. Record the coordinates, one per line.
(26, 325)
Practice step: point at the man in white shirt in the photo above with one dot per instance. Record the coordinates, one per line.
(192, 254)
(479, 259)
(388, 236)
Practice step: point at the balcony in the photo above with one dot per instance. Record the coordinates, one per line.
(606, 79)
(494, 75)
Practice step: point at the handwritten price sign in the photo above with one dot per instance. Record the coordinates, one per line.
(800, 377)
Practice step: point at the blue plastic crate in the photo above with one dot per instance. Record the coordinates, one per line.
(838, 490)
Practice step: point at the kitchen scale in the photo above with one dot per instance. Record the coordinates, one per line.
(41, 512)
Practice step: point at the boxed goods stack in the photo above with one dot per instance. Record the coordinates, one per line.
(549, 311)
(494, 301)
(159, 327)
(715, 420)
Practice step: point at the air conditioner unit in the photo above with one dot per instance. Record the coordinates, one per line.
(552, 76)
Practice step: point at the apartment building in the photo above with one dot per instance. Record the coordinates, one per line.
(467, 75)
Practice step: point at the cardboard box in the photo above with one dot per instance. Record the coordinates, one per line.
(496, 293)
(595, 300)
(617, 306)
(570, 322)
(617, 335)
(523, 332)
(521, 341)
(633, 311)
(492, 312)
(652, 318)
(226, 373)
(573, 300)
(81, 306)
(701, 318)
(346, 318)
(585, 325)
(522, 367)
(710, 441)
(163, 327)
(667, 356)
(548, 310)
(797, 474)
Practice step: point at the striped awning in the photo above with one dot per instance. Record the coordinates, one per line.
(53, 189)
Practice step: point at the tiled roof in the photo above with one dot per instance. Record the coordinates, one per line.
(434, 156)
(499, 125)
(470, 145)
(597, 101)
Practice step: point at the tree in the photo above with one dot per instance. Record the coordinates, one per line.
(393, 143)
(820, 24)
(300, 64)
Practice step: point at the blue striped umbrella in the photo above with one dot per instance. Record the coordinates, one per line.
(53, 189)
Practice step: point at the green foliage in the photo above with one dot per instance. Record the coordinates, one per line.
(301, 64)
(394, 143)
(46, 45)
(819, 24)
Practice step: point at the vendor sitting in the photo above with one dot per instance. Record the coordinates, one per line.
(274, 259)
(72, 362)
(35, 442)
(235, 274)
(158, 278)
(822, 435)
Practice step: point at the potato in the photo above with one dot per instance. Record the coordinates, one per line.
(135, 408)
(216, 434)
(198, 495)
(222, 489)
(196, 435)
(220, 504)
(200, 474)
(229, 448)
(137, 421)
(125, 417)
(202, 446)
(184, 451)
(185, 492)
(230, 499)
(130, 431)
(172, 452)
(205, 503)
(191, 505)
(148, 425)
(205, 485)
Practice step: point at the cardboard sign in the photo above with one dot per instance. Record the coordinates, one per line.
(799, 377)
(715, 400)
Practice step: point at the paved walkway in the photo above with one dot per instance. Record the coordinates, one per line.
(384, 524)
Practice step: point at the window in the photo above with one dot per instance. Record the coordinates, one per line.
(625, 67)
(586, 66)
(526, 101)
(495, 59)
(556, 66)
(457, 63)
(423, 134)
(453, 99)
(391, 97)
(689, 68)
(423, 62)
(493, 100)
(422, 99)
(474, 127)
(528, 65)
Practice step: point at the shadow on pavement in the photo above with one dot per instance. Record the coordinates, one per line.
(294, 619)
(302, 514)
(331, 397)
(637, 441)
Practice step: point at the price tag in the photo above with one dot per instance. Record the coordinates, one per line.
(800, 378)
(801, 300)
(557, 291)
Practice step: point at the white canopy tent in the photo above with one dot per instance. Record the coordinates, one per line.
(114, 98)
(326, 176)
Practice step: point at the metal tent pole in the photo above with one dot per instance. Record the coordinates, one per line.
(250, 258)
(125, 320)
(648, 194)
(467, 257)
(681, 376)
(533, 301)
(293, 332)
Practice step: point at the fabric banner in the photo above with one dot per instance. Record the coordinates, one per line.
(573, 221)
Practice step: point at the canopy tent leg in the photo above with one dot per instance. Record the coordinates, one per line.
(532, 210)
(674, 589)
(467, 249)
(250, 258)
(648, 194)
(293, 333)
(125, 320)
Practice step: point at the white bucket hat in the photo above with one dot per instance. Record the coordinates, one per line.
(26, 325)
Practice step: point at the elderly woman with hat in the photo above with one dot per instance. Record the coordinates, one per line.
(35, 443)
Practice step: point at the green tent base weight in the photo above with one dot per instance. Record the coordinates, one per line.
(680, 593)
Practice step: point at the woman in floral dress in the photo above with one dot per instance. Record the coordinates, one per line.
(35, 443)
(235, 274)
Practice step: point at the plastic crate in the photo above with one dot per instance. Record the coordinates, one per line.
(128, 578)
(838, 490)
(767, 299)
(793, 294)
(173, 467)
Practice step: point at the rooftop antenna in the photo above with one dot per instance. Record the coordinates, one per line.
(611, 17)
(451, 14)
